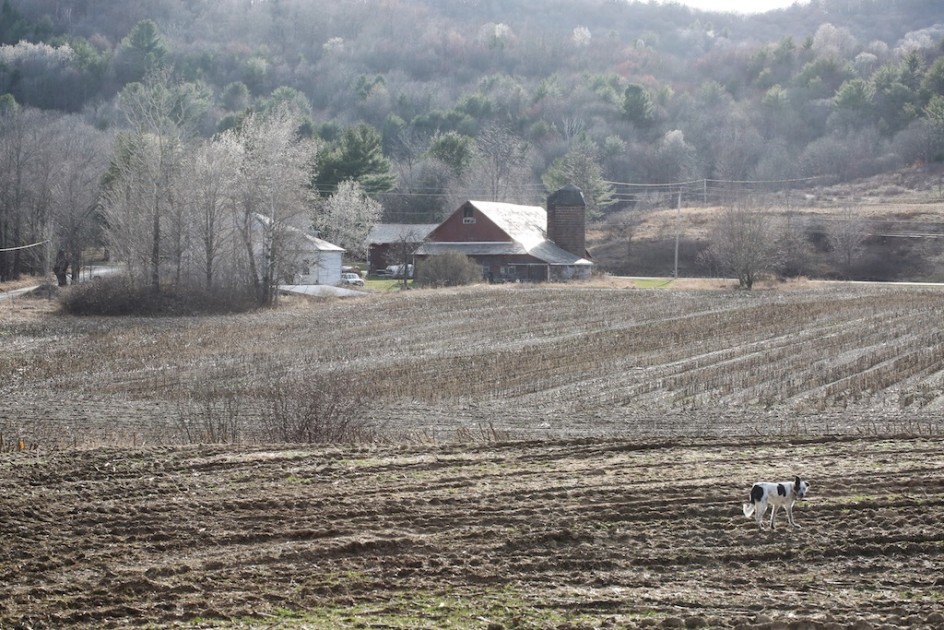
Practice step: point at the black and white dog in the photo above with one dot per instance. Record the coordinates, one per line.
(776, 495)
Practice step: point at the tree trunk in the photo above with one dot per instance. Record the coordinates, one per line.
(156, 252)
(60, 268)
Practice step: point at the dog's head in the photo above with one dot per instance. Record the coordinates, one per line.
(800, 487)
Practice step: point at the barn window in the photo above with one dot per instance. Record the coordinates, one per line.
(468, 215)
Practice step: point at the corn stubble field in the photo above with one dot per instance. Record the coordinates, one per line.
(500, 457)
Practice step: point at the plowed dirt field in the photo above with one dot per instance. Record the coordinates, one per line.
(608, 533)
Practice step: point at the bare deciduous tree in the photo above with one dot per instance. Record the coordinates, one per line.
(22, 161)
(50, 169)
(213, 166)
(622, 228)
(145, 173)
(501, 170)
(795, 248)
(846, 237)
(743, 244)
(273, 193)
(82, 152)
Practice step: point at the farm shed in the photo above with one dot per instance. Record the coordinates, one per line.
(316, 261)
(385, 241)
(307, 259)
(512, 242)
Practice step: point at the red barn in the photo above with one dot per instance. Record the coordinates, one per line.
(511, 242)
(390, 243)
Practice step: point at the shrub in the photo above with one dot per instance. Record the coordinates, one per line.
(324, 409)
(114, 295)
(450, 269)
(119, 295)
(210, 416)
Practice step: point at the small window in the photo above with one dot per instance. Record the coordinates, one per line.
(468, 215)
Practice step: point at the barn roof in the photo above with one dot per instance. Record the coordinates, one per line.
(313, 242)
(318, 244)
(524, 224)
(386, 233)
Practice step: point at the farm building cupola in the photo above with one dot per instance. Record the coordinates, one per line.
(566, 218)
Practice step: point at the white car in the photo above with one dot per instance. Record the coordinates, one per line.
(352, 279)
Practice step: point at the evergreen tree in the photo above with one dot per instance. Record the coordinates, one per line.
(356, 156)
(581, 167)
(142, 51)
(637, 105)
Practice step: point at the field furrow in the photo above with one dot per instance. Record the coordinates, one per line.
(539, 534)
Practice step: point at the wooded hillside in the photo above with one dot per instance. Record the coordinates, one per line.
(425, 103)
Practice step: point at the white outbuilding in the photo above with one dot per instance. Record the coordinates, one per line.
(305, 259)
(316, 261)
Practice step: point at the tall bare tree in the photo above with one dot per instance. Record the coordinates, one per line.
(147, 168)
(83, 153)
(622, 228)
(273, 194)
(23, 157)
(213, 167)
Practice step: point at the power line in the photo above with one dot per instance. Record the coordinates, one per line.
(704, 181)
(670, 185)
(767, 181)
(702, 184)
(13, 249)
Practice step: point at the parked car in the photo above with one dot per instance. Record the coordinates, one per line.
(382, 273)
(400, 271)
(352, 279)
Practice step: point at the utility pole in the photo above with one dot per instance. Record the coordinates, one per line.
(678, 213)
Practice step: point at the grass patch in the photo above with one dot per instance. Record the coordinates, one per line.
(385, 284)
(429, 611)
(653, 283)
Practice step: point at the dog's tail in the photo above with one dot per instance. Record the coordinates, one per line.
(749, 509)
